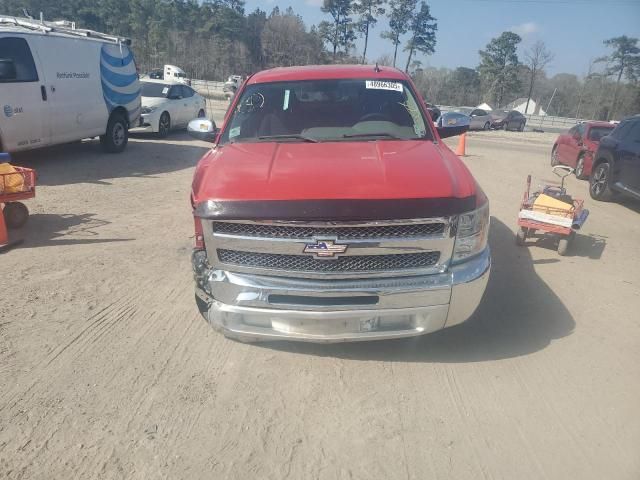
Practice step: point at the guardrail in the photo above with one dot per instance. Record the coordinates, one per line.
(208, 88)
(539, 121)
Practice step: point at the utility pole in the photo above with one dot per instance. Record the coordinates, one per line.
(550, 100)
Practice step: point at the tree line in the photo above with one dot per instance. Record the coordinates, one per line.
(212, 39)
(610, 90)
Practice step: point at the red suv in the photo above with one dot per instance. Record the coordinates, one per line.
(577, 147)
(329, 210)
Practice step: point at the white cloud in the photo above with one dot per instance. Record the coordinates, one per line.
(314, 3)
(524, 29)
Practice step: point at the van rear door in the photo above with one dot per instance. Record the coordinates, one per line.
(25, 115)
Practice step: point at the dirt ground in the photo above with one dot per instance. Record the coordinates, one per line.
(107, 371)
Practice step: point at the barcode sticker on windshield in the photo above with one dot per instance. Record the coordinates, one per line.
(381, 85)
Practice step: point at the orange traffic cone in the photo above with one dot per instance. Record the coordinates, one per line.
(462, 146)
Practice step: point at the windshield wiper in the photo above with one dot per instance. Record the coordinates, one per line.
(378, 134)
(293, 136)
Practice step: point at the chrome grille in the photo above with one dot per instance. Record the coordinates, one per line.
(344, 233)
(304, 263)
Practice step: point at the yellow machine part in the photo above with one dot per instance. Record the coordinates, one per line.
(545, 203)
(10, 183)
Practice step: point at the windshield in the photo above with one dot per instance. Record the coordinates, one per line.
(326, 110)
(596, 133)
(154, 89)
(465, 111)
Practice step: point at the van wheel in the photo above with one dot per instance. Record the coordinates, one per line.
(164, 125)
(117, 135)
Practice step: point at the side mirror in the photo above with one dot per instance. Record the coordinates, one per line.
(203, 129)
(7, 70)
(452, 124)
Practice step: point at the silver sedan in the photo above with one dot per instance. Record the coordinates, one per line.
(480, 119)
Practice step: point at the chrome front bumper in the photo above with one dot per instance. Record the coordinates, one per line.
(251, 307)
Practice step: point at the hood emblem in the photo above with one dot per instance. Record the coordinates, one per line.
(324, 249)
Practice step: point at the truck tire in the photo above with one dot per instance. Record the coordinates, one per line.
(164, 125)
(116, 137)
(580, 168)
(599, 187)
(15, 214)
(554, 156)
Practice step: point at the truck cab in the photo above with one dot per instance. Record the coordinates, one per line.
(329, 210)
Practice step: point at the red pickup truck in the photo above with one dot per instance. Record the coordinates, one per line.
(330, 210)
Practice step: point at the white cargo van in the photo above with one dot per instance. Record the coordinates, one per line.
(60, 84)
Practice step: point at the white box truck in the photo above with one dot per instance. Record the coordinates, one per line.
(61, 84)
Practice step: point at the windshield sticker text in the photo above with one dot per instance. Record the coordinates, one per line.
(380, 85)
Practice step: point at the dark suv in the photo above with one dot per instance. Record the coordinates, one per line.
(616, 166)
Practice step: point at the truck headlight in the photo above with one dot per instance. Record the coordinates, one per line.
(148, 109)
(472, 233)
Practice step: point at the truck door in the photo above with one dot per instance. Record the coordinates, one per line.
(24, 118)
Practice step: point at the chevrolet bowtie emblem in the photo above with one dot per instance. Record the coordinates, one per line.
(324, 248)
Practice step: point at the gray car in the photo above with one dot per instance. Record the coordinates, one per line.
(480, 119)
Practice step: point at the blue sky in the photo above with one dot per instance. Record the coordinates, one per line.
(572, 29)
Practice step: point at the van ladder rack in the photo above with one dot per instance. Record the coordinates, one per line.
(48, 27)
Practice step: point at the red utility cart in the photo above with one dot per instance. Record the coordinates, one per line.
(15, 212)
(549, 220)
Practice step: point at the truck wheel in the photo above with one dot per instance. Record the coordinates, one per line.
(15, 214)
(117, 135)
(599, 188)
(164, 125)
(521, 236)
(580, 168)
(554, 156)
(563, 244)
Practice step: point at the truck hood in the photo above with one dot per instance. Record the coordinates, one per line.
(338, 180)
(331, 171)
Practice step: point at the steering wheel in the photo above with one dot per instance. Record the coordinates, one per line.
(562, 170)
(372, 117)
